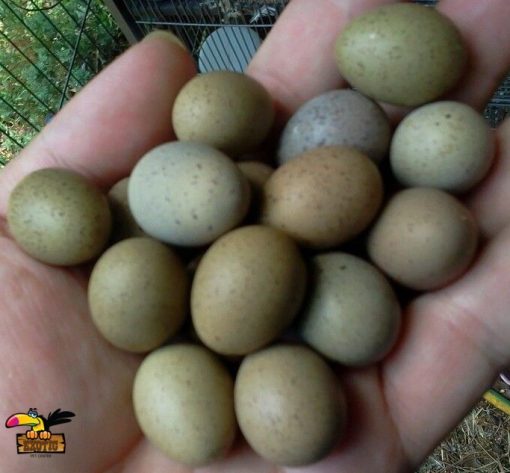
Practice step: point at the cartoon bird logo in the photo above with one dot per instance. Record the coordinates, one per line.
(40, 425)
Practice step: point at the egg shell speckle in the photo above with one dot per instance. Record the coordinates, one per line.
(187, 193)
(138, 294)
(289, 405)
(58, 217)
(424, 238)
(352, 314)
(402, 53)
(447, 145)
(323, 197)
(183, 401)
(227, 110)
(247, 289)
(337, 118)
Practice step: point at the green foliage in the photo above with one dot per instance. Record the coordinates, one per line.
(36, 52)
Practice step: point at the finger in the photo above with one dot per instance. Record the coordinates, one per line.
(489, 201)
(455, 342)
(296, 61)
(122, 113)
(484, 27)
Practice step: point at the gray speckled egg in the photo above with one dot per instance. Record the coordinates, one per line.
(227, 110)
(403, 53)
(447, 145)
(138, 294)
(58, 217)
(187, 193)
(289, 405)
(184, 403)
(123, 223)
(352, 314)
(424, 238)
(339, 117)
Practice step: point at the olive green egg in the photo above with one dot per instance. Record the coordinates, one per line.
(58, 217)
(184, 402)
(124, 224)
(324, 197)
(227, 110)
(247, 289)
(447, 145)
(187, 194)
(138, 294)
(352, 314)
(257, 174)
(403, 53)
(289, 404)
(424, 238)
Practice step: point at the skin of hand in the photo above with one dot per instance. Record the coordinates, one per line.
(454, 340)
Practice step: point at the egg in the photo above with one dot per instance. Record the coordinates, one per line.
(337, 118)
(187, 193)
(352, 314)
(58, 217)
(424, 238)
(289, 405)
(447, 145)
(257, 174)
(227, 110)
(247, 289)
(403, 53)
(138, 294)
(123, 223)
(324, 197)
(183, 401)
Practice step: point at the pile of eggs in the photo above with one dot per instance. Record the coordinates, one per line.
(253, 268)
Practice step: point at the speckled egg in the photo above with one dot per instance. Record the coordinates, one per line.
(337, 118)
(323, 197)
(424, 238)
(184, 403)
(58, 217)
(123, 223)
(403, 53)
(138, 294)
(187, 193)
(447, 145)
(257, 174)
(247, 289)
(227, 110)
(289, 405)
(352, 315)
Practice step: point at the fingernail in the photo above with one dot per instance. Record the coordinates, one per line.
(168, 35)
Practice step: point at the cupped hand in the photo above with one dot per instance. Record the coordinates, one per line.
(454, 340)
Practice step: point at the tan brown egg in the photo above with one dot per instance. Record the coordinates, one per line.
(138, 294)
(226, 110)
(247, 289)
(424, 238)
(183, 401)
(58, 217)
(289, 405)
(324, 197)
(123, 223)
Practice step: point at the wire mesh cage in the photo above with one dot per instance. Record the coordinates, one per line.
(49, 49)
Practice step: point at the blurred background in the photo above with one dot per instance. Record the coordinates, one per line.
(49, 49)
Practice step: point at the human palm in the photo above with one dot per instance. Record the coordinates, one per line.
(454, 340)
